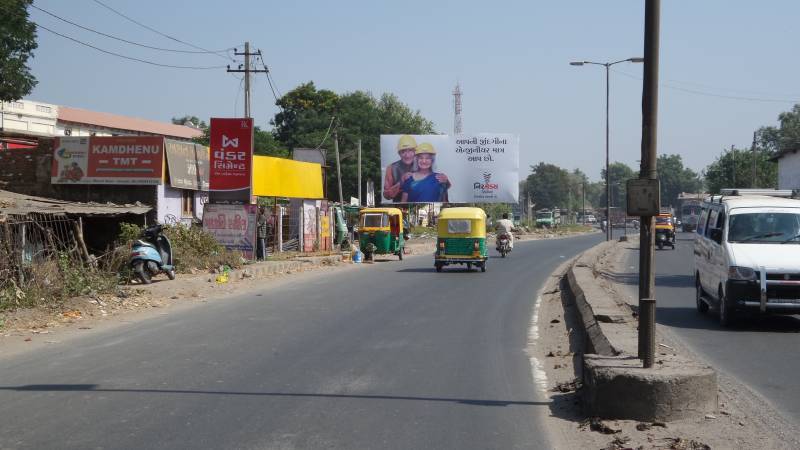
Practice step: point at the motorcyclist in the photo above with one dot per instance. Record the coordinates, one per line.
(504, 226)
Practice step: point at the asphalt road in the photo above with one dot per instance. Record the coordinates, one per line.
(390, 355)
(760, 352)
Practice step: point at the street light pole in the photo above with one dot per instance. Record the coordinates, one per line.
(608, 65)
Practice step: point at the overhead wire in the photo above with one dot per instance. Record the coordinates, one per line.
(126, 40)
(710, 94)
(327, 133)
(152, 63)
(218, 53)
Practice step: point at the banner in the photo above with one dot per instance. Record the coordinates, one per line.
(188, 165)
(132, 160)
(233, 226)
(231, 145)
(479, 168)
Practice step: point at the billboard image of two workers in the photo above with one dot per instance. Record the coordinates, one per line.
(481, 168)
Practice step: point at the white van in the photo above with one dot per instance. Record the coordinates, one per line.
(747, 253)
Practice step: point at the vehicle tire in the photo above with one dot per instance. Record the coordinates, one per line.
(469, 266)
(702, 307)
(483, 266)
(171, 274)
(400, 254)
(726, 317)
(438, 267)
(141, 272)
(660, 246)
(502, 253)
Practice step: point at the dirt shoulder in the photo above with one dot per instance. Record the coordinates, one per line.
(743, 420)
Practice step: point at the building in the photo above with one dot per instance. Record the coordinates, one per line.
(27, 132)
(788, 168)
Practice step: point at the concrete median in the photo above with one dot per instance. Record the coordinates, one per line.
(615, 386)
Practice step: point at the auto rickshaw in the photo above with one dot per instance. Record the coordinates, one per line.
(380, 232)
(665, 230)
(462, 238)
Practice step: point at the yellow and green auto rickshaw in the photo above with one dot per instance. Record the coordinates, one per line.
(380, 232)
(462, 238)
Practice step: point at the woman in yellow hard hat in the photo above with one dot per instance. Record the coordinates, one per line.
(399, 170)
(425, 185)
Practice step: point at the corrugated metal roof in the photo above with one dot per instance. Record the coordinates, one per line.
(14, 204)
(108, 120)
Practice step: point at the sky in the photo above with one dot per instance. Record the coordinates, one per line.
(727, 67)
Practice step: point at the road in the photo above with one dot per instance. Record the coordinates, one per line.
(760, 352)
(389, 355)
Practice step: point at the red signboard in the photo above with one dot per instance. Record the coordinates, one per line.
(108, 160)
(231, 154)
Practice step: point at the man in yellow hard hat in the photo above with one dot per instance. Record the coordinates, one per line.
(398, 171)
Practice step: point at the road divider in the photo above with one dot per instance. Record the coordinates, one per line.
(615, 386)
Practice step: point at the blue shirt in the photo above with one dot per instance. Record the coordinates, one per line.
(427, 189)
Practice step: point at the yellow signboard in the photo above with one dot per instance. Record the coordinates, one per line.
(279, 177)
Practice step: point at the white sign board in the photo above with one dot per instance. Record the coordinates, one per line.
(479, 168)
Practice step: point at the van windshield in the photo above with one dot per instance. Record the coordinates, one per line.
(770, 227)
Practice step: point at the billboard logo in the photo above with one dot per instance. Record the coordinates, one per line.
(487, 184)
(229, 142)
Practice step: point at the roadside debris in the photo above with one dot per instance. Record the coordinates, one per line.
(597, 424)
(619, 443)
(686, 444)
(568, 386)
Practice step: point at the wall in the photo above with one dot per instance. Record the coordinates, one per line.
(26, 116)
(789, 171)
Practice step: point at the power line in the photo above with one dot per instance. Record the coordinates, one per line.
(711, 94)
(152, 63)
(269, 79)
(159, 32)
(125, 40)
(327, 133)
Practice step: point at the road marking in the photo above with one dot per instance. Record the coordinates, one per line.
(537, 369)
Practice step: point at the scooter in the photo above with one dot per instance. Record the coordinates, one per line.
(503, 245)
(152, 254)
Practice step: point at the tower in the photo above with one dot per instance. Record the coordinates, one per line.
(457, 107)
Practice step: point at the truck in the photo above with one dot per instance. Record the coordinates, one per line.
(548, 218)
(689, 207)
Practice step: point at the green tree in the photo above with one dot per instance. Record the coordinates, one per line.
(734, 169)
(17, 42)
(620, 174)
(675, 178)
(785, 137)
(549, 186)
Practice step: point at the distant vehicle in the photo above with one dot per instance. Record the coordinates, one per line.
(746, 253)
(689, 208)
(591, 219)
(548, 218)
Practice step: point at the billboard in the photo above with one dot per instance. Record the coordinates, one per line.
(231, 145)
(188, 165)
(475, 168)
(108, 160)
(233, 226)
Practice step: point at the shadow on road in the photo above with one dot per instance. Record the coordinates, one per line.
(690, 318)
(95, 388)
(632, 278)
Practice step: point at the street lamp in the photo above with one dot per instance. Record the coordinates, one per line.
(607, 65)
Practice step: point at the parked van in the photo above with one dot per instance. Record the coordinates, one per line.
(747, 253)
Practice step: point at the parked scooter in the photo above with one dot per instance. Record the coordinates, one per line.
(503, 245)
(152, 254)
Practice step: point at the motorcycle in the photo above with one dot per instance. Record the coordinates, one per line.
(152, 254)
(503, 245)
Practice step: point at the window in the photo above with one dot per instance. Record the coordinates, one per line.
(43, 109)
(763, 227)
(712, 220)
(187, 203)
(701, 225)
(17, 105)
(459, 226)
(374, 220)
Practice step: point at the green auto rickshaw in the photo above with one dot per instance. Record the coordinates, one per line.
(380, 232)
(462, 238)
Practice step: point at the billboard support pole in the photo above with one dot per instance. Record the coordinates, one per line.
(338, 166)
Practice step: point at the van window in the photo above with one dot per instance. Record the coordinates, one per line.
(701, 225)
(712, 220)
(721, 220)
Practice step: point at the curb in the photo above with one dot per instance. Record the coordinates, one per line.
(264, 269)
(615, 386)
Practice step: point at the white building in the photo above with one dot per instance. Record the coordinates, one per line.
(788, 169)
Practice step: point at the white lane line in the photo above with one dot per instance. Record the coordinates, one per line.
(537, 369)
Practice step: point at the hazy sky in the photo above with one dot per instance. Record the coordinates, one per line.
(511, 58)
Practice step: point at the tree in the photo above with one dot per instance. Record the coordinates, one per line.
(549, 186)
(734, 169)
(17, 42)
(620, 174)
(675, 178)
(306, 121)
(785, 137)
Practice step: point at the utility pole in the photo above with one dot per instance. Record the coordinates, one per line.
(247, 71)
(338, 166)
(733, 155)
(649, 169)
(359, 173)
(753, 184)
(583, 208)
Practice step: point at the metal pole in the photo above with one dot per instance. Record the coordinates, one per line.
(359, 173)
(247, 79)
(609, 226)
(338, 166)
(583, 208)
(733, 155)
(754, 183)
(648, 170)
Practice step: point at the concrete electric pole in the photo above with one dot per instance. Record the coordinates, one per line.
(246, 70)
